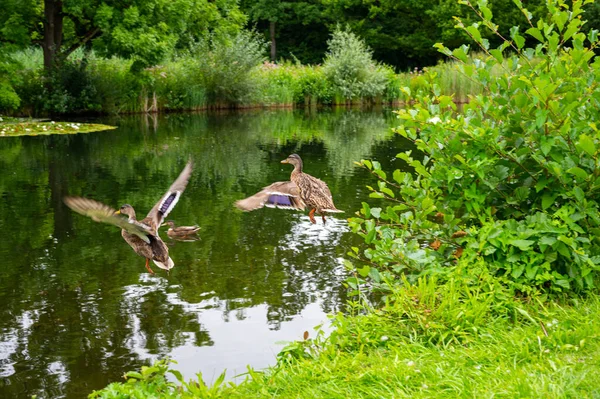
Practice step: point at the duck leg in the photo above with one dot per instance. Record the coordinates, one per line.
(323, 217)
(148, 266)
(311, 215)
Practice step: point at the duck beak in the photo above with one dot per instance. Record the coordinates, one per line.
(285, 161)
(117, 212)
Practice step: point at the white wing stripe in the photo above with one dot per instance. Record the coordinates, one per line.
(173, 203)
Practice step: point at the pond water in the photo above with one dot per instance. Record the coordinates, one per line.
(78, 308)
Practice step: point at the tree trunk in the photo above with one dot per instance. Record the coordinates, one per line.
(53, 32)
(273, 46)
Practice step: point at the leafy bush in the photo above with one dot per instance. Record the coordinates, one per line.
(512, 179)
(350, 68)
(9, 99)
(225, 68)
(278, 84)
(151, 382)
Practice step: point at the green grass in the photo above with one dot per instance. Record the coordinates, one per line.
(506, 361)
(430, 340)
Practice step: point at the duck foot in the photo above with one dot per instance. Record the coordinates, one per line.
(323, 217)
(311, 215)
(148, 266)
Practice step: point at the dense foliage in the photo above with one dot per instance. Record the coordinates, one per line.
(510, 182)
(149, 36)
(400, 32)
(223, 72)
(146, 31)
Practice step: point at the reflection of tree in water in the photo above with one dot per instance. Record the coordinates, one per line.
(75, 313)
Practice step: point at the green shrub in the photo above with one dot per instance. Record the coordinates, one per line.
(119, 90)
(350, 68)
(152, 382)
(513, 179)
(314, 87)
(226, 67)
(278, 84)
(9, 99)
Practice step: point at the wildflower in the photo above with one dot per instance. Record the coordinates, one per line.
(435, 120)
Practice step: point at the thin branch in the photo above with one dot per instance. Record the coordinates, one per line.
(86, 38)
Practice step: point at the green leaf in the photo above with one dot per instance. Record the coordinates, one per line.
(366, 210)
(134, 374)
(523, 245)
(526, 314)
(535, 32)
(547, 200)
(563, 283)
(586, 143)
(579, 194)
(364, 271)
(376, 212)
(398, 176)
(547, 240)
(461, 54)
(517, 271)
(578, 172)
(177, 375)
(387, 191)
(518, 39)
(474, 31)
(497, 54)
(370, 236)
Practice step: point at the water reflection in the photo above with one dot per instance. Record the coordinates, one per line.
(78, 308)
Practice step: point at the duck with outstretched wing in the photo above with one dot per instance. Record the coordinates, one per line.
(141, 235)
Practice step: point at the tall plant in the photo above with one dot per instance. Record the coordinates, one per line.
(225, 68)
(350, 68)
(513, 178)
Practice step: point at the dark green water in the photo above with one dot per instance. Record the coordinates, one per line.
(77, 307)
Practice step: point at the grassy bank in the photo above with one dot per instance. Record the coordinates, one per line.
(504, 356)
(430, 340)
(221, 76)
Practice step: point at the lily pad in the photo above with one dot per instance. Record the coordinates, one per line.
(32, 128)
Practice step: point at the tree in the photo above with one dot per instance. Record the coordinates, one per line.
(402, 32)
(146, 30)
(298, 25)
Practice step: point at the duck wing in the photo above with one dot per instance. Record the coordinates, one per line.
(283, 194)
(105, 214)
(157, 214)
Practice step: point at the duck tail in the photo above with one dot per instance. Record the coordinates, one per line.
(168, 265)
(333, 210)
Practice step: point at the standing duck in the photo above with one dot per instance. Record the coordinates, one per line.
(302, 191)
(141, 235)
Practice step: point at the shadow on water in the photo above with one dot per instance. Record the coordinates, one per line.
(78, 308)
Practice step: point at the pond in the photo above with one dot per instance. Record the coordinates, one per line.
(79, 308)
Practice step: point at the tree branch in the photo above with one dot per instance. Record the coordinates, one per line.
(86, 38)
